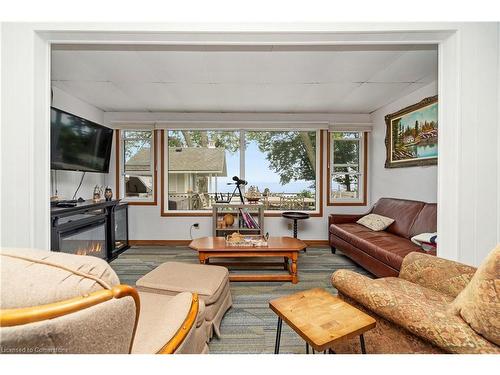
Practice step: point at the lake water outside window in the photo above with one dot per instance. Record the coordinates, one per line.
(282, 166)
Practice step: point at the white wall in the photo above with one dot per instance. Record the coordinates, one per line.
(468, 183)
(418, 183)
(67, 181)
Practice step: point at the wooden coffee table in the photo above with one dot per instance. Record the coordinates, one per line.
(283, 247)
(321, 319)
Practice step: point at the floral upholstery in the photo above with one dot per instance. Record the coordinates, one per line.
(413, 318)
(386, 337)
(479, 303)
(439, 274)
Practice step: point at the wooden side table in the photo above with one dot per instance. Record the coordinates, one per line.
(321, 319)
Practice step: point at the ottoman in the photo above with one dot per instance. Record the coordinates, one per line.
(210, 282)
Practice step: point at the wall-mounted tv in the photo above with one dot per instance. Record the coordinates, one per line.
(78, 144)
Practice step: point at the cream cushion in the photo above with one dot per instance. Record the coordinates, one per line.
(32, 277)
(479, 302)
(174, 277)
(375, 222)
(105, 328)
(210, 282)
(160, 318)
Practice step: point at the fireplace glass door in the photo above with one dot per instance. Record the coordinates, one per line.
(86, 240)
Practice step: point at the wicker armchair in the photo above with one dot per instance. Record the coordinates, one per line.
(61, 303)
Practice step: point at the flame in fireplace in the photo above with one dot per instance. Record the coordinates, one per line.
(93, 248)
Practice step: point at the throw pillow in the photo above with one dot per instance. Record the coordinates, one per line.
(479, 302)
(375, 222)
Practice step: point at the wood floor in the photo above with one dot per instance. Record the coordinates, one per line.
(249, 326)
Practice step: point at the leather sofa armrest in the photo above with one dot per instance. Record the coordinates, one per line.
(343, 218)
(442, 275)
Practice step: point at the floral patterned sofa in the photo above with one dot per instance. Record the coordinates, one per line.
(434, 306)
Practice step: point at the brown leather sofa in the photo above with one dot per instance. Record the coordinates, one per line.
(382, 252)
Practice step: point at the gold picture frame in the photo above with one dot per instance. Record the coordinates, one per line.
(412, 135)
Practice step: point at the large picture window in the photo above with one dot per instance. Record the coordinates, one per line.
(347, 168)
(136, 162)
(281, 165)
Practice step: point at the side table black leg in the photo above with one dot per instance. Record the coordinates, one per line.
(294, 228)
(307, 348)
(362, 342)
(278, 336)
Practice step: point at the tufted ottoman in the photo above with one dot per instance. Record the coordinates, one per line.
(210, 282)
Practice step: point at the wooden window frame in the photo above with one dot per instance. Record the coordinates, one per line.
(118, 170)
(167, 213)
(363, 202)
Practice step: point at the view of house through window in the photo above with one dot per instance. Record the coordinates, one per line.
(138, 163)
(280, 165)
(201, 163)
(346, 166)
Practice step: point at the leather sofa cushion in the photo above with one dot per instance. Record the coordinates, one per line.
(404, 212)
(386, 247)
(426, 221)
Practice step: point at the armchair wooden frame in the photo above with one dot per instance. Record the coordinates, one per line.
(26, 315)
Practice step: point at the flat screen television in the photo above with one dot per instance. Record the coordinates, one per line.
(78, 144)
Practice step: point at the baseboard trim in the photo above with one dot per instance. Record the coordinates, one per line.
(186, 242)
(159, 242)
(317, 242)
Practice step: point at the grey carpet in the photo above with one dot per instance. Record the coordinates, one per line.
(249, 326)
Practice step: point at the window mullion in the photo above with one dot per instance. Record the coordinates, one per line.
(242, 156)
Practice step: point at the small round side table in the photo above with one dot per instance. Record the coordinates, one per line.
(295, 216)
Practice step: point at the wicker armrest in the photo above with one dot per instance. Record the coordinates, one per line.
(100, 322)
(165, 323)
(442, 275)
(180, 336)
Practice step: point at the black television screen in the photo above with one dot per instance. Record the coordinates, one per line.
(78, 144)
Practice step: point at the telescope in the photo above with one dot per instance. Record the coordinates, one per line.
(238, 182)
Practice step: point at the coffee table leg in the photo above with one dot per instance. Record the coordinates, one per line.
(295, 279)
(201, 257)
(307, 348)
(362, 342)
(278, 336)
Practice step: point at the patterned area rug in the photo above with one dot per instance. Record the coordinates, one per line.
(249, 326)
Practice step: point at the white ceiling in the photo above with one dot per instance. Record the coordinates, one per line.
(342, 80)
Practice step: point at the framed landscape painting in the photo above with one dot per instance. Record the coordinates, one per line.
(412, 135)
